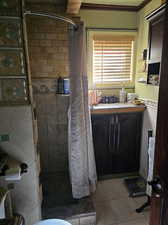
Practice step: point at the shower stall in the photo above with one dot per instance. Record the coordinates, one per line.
(68, 171)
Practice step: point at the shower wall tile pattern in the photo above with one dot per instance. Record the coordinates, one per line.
(13, 74)
(9, 8)
(10, 33)
(48, 44)
(11, 63)
(13, 90)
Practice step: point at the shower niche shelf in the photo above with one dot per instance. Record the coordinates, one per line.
(62, 94)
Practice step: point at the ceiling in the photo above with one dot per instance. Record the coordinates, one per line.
(115, 2)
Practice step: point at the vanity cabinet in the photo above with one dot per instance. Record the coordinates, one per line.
(116, 139)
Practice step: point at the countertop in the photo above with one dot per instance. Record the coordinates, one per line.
(116, 108)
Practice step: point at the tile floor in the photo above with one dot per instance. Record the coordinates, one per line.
(114, 206)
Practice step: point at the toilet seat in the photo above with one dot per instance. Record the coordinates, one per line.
(53, 222)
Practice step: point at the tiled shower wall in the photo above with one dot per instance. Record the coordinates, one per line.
(48, 47)
(48, 50)
(52, 126)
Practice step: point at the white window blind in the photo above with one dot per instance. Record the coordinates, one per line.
(112, 60)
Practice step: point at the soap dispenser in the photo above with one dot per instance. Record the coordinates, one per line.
(123, 95)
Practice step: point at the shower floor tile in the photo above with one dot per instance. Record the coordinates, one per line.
(59, 203)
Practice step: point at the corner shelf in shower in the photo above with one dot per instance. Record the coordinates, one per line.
(62, 94)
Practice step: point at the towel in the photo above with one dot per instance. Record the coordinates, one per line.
(151, 154)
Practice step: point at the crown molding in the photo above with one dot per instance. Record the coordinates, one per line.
(143, 4)
(92, 6)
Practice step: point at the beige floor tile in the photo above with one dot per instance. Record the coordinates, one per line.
(114, 207)
(99, 215)
(147, 215)
(135, 222)
(124, 209)
(110, 189)
(139, 202)
(73, 221)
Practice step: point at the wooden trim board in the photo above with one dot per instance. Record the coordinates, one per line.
(91, 6)
(118, 110)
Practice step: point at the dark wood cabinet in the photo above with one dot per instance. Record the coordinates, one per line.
(156, 23)
(100, 128)
(116, 140)
(155, 39)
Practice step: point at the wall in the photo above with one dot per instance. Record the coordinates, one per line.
(144, 90)
(107, 19)
(17, 122)
(147, 92)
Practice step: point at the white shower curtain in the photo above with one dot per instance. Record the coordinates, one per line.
(81, 153)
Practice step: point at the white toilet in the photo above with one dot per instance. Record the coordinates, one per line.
(53, 222)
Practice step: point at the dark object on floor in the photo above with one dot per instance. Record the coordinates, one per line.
(136, 186)
(146, 204)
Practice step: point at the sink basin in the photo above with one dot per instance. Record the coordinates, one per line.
(114, 106)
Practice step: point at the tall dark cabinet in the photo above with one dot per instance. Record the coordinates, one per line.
(116, 140)
(156, 28)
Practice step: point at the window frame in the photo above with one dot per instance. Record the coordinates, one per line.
(108, 33)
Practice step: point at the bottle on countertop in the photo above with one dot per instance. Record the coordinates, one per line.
(66, 86)
(123, 95)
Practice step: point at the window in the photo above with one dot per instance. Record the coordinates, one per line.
(113, 59)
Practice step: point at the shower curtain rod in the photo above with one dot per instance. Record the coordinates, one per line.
(52, 16)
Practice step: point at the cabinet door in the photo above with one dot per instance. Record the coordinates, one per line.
(113, 142)
(126, 153)
(100, 127)
(156, 39)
